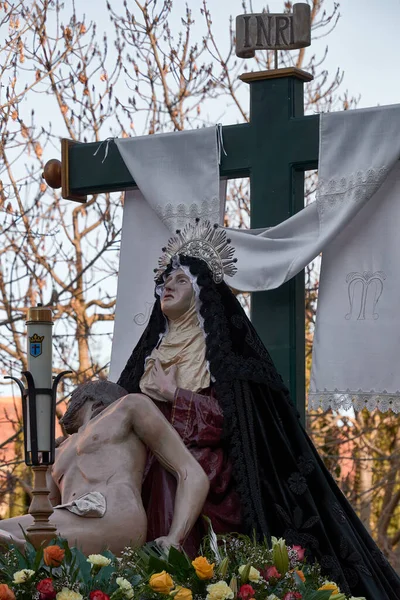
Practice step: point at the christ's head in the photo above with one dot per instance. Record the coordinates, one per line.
(87, 401)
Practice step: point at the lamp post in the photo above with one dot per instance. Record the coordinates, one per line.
(39, 414)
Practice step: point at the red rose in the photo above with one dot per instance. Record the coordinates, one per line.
(292, 596)
(246, 592)
(271, 573)
(300, 552)
(46, 589)
(98, 595)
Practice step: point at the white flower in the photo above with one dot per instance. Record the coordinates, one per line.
(254, 575)
(123, 583)
(272, 597)
(67, 594)
(219, 591)
(98, 560)
(22, 576)
(358, 598)
(125, 586)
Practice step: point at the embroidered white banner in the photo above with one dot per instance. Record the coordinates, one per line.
(357, 340)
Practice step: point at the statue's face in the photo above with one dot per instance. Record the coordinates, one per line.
(177, 296)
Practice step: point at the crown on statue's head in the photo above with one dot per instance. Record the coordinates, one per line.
(204, 241)
(35, 338)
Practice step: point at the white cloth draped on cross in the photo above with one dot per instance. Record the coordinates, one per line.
(178, 180)
(354, 222)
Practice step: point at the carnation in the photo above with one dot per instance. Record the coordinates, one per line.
(125, 586)
(219, 591)
(67, 594)
(98, 560)
(23, 576)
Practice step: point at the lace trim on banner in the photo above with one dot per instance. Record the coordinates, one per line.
(177, 216)
(356, 188)
(336, 400)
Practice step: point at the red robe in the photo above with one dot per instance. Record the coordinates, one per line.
(198, 419)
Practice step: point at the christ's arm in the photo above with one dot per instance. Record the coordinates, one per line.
(154, 430)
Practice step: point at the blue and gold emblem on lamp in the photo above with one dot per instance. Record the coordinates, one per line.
(35, 345)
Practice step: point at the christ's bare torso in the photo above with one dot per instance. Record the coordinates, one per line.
(104, 456)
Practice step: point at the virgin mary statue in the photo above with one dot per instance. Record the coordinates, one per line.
(201, 360)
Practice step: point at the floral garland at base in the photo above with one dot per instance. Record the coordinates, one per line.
(230, 567)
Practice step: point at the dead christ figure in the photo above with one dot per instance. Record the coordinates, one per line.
(96, 479)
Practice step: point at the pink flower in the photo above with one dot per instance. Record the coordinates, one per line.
(246, 592)
(300, 552)
(46, 589)
(292, 596)
(270, 573)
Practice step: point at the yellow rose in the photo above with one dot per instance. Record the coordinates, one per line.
(22, 576)
(219, 591)
(254, 575)
(330, 585)
(204, 570)
(161, 582)
(98, 560)
(181, 593)
(67, 594)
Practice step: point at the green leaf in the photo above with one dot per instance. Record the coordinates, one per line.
(68, 554)
(82, 566)
(179, 560)
(156, 565)
(38, 559)
(104, 574)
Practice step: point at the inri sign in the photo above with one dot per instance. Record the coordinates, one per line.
(265, 31)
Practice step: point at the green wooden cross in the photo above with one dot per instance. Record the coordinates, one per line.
(273, 150)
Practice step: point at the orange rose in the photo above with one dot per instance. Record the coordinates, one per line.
(301, 575)
(6, 593)
(161, 582)
(53, 556)
(203, 568)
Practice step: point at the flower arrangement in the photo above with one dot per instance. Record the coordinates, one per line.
(229, 567)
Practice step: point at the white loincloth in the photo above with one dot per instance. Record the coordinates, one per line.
(92, 504)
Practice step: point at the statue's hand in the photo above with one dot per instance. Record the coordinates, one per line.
(166, 542)
(165, 382)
